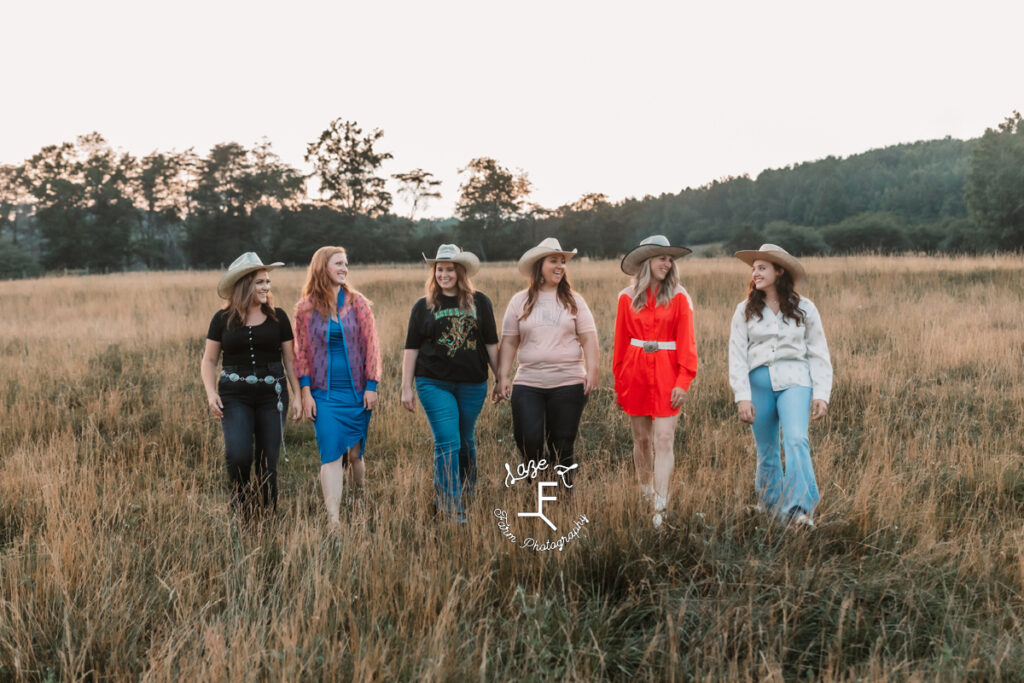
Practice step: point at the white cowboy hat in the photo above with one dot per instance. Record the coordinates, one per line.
(243, 265)
(780, 257)
(655, 245)
(453, 254)
(547, 247)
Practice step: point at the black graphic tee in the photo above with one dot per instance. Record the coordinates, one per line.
(452, 343)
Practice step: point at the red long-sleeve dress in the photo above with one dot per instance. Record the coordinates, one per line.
(644, 380)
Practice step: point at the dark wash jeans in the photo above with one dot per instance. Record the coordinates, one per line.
(252, 439)
(548, 417)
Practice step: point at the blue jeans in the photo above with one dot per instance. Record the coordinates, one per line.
(452, 409)
(790, 410)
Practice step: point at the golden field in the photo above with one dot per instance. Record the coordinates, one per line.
(119, 558)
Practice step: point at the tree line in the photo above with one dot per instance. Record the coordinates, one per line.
(83, 205)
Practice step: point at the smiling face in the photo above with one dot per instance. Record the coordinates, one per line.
(446, 277)
(764, 275)
(337, 269)
(552, 269)
(660, 266)
(261, 287)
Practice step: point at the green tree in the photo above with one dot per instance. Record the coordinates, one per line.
(162, 187)
(995, 183)
(83, 205)
(347, 163)
(799, 240)
(491, 196)
(419, 187)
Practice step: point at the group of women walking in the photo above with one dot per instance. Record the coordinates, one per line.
(779, 370)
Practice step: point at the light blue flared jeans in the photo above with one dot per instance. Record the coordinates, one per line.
(452, 409)
(791, 490)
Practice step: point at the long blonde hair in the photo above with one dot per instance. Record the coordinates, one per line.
(643, 280)
(242, 295)
(463, 285)
(318, 287)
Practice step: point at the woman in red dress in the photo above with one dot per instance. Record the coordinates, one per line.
(654, 361)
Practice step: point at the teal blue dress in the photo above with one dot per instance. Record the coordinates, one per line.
(341, 419)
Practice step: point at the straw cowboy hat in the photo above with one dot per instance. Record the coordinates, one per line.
(547, 247)
(450, 253)
(247, 263)
(780, 257)
(655, 245)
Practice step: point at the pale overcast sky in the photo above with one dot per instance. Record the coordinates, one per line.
(624, 98)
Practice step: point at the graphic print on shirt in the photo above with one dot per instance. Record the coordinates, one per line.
(547, 314)
(460, 333)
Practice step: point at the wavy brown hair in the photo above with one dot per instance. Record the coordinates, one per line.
(563, 292)
(318, 285)
(463, 285)
(242, 296)
(789, 300)
(643, 279)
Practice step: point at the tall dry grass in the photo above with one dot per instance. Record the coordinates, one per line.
(119, 558)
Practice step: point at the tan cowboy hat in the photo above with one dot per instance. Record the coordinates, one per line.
(243, 265)
(547, 247)
(780, 257)
(453, 254)
(655, 245)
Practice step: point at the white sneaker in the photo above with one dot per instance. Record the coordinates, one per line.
(804, 520)
(657, 520)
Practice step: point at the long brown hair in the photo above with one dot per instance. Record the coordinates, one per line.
(463, 285)
(318, 287)
(563, 292)
(789, 300)
(242, 295)
(666, 288)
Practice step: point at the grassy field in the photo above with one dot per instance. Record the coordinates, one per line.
(119, 558)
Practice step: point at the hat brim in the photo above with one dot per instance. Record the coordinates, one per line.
(635, 257)
(228, 280)
(534, 254)
(466, 259)
(786, 261)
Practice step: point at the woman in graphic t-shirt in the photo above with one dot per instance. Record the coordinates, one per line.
(552, 330)
(451, 341)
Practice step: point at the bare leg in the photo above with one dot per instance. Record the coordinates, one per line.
(332, 481)
(664, 458)
(356, 467)
(643, 453)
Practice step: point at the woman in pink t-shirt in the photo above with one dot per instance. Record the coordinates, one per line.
(553, 331)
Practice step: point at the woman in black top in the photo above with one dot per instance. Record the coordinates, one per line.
(249, 399)
(451, 341)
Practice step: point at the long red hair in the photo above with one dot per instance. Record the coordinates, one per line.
(319, 288)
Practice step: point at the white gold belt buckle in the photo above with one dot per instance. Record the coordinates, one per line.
(650, 346)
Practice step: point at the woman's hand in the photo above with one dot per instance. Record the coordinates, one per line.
(296, 408)
(369, 399)
(746, 409)
(818, 408)
(409, 398)
(678, 398)
(502, 390)
(590, 383)
(308, 405)
(216, 405)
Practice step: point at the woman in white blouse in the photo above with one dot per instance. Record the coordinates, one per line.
(781, 378)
